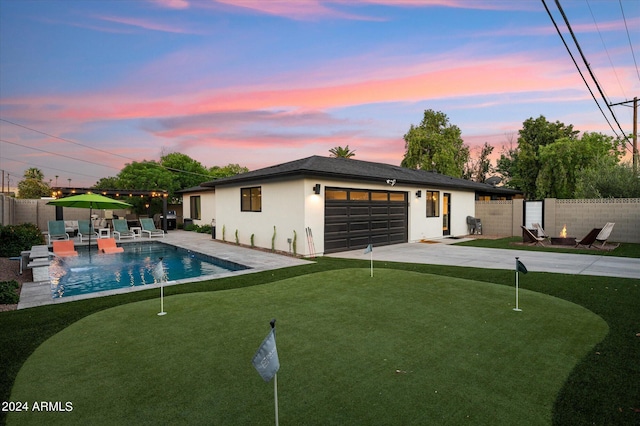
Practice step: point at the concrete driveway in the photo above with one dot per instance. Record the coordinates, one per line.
(443, 252)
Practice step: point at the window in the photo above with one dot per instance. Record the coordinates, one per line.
(359, 195)
(433, 203)
(335, 194)
(194, 204)
(251, 199)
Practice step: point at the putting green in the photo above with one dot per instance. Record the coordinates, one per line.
(398, 348)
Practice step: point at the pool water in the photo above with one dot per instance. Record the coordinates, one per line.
(93, 271)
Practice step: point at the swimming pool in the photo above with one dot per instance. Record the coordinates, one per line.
(92, 272)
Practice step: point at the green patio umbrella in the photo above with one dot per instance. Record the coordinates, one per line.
(89, 201)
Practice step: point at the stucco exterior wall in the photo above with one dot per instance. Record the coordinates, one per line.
(283, 205)
(291, 205)
(207, 207)
(422, 227)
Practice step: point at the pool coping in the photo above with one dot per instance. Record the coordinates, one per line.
(38, 293)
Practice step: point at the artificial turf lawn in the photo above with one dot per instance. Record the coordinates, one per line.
(399, 348)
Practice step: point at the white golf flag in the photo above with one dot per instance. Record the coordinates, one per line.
(266, 358)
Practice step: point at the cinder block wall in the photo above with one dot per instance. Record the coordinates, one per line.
(496, 217)
(581, 216)
(503, 218)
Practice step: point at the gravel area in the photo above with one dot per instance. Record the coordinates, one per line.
(10, 270)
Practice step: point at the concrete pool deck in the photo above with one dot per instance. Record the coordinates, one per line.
(38, 293)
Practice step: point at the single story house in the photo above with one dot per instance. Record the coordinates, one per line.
(198, 205)
(320, 205)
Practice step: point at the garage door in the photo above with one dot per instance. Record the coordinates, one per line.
(355, 218)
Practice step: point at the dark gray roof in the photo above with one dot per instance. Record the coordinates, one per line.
(195, 189)
(357, 170)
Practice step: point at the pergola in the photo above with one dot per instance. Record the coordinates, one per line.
(61, 192)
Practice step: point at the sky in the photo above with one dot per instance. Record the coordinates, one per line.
(89, 86)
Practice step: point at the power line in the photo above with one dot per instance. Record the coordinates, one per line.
(576, 65)
(95, 149)
(575, 40)
(59, 155)
(48, 167)
(66, 140)
(613, 68)
(629, 38)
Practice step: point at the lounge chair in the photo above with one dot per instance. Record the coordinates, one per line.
(121, 229)
(149, 228)
(604, 235)
(541, 232)
(56, 231)
(85, 230)
(534, 239)
(108, 245)
(64, 248)
(589, 239)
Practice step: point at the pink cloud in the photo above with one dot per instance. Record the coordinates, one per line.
(298, 10)
(172, 4)
(488, 77)
(147, 24)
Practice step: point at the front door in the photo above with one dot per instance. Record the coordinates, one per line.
(446, 214)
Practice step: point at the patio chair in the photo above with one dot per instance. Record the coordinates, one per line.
(149, 228)
(56, 231)
(604, 235)
(85, 230)
(121, 229)
(108, 245)
(540, 231)
(589, 239)
(534, 239)
(64, 248)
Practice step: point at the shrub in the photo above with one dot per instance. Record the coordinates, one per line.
(204, 229)
(17, 238)
(8, 295)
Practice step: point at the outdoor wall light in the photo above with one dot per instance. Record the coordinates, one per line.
(419, 193)
(316, 189)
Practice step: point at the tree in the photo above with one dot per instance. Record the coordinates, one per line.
(479, 169)
(521, 166)
(435, 145)
(108, 183)
(562, 160)
(340, 152)
(217, 172)
(186, 171)
(605, 179)
(32, 186)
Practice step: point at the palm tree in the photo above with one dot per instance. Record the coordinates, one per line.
(34, 173)
(340, 152)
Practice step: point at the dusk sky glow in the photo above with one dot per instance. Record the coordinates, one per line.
(88, 86)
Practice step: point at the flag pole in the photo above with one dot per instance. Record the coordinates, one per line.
(162, 312)
(517, 309)
(371, 252)
(275, 393)
(275, 376)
